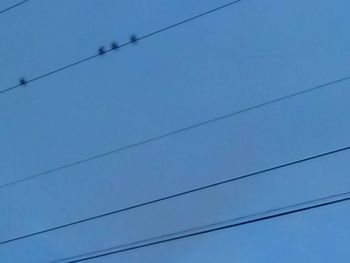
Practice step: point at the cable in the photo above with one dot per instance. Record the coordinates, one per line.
(154, 201)
(13, 6)
(226, 222)
(268, 215)
(132, 41)
(171, 133)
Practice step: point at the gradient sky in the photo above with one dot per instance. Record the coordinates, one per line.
(246, 54)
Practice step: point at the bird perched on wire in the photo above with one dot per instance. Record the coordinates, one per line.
(133, 39)
(101, 50)
(114, 45)
(22, 81)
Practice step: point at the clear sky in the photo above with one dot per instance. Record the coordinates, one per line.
(246, 54)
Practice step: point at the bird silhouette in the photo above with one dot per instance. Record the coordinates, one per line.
(101, 50)
(114, 45)
(22, 81)
(133, 39)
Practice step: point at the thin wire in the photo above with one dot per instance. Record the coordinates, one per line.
(123, 45)
(196, 229)
(225, 227)
(13, 6)
(172, 133)
(154, 201)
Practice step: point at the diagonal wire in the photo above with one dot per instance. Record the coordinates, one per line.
(201, 228)
(13, 6)
(256, 218)
(162, 199)
(123, 45)
(171, 133)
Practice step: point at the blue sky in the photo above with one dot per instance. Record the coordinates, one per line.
(244, 55)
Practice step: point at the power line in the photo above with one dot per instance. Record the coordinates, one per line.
(299, 208)
(13, 6)
(154, 201)
(132, 41)
(196, 229)
(150, 241)
(171, 133)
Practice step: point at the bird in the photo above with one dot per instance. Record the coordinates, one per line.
(133, 39)
(22, 81)
(101, 50)
(114, 45)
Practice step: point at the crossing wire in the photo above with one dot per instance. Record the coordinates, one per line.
(221, 228)
(197, 229)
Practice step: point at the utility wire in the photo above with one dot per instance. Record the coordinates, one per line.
(132, 41)
(201, 228)
(13, 6)
(269, 215)
(154, 201)
(171, 133)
